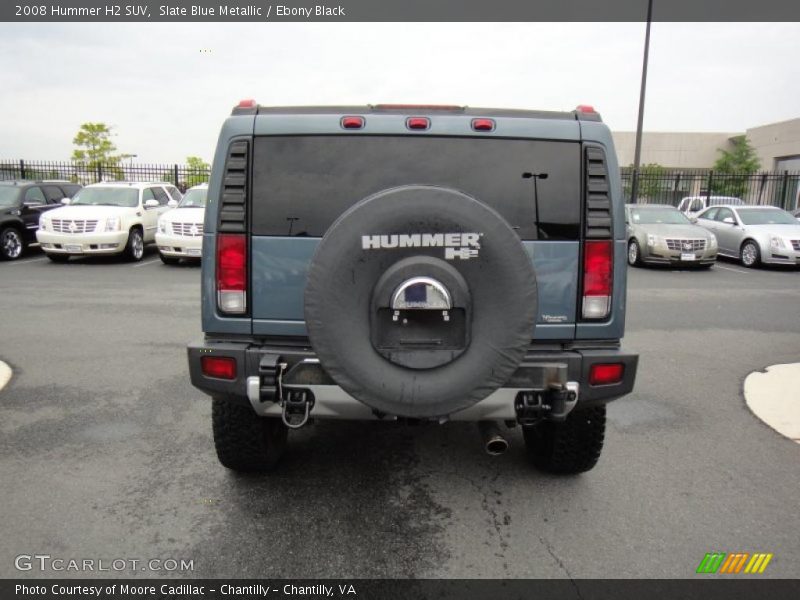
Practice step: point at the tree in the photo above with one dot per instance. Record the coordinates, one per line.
(734, 167)
(652, 181)
(197, 170)
(742, 158)
(95, 151)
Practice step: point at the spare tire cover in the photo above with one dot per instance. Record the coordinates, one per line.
(343, 274)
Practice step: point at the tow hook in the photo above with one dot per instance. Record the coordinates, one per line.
(297, 405)
(267, 389)
(554, 403)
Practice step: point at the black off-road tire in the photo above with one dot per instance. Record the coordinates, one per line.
(570, 447)
(168, 260)
(57, 258)
(244, 441)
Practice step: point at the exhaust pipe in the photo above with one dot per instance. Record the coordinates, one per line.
(493, 441)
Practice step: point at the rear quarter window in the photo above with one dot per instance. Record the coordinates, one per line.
(301, 184)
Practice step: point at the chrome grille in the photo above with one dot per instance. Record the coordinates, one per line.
(73, 225)
(185, 229)
(796, 245)
(683, 245)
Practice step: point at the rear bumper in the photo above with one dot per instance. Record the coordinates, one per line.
(539, 369)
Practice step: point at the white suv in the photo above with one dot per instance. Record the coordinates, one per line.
(180, 231)
(691, 206)
(106, 218)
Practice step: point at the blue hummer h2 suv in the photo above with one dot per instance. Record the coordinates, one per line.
(413, 262)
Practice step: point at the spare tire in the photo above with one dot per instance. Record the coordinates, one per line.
(442, 236)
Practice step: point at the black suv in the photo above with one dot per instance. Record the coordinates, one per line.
(21, 205)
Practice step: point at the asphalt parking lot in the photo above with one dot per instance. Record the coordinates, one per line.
(106, 449)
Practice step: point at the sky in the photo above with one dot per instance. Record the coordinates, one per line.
(165, 88)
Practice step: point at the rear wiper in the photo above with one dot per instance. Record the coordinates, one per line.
(528, 175)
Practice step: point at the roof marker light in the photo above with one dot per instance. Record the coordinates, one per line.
(352, 122)
(418, 122)
(247, 103)
(483, 124)
(585, 108)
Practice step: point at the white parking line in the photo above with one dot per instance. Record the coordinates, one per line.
(25, 262)
(719, 266)
(5, 374)
(144, 264)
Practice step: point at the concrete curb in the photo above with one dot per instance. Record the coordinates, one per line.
(5, 374)
(774, 397)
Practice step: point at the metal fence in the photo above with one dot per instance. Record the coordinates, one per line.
(183, 176)
(656, 186)
(669, 186)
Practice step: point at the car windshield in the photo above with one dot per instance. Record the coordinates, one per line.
(8, 195)
(766, 216)
(106, 196)
(658, 216)
(195, 198)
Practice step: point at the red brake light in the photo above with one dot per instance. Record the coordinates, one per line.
(247, 103)
(352, 122)
(221, 367)
(232, 272)
(483, 124)
(598, 272)
(418, 122)
(585, 108)
(606, 373)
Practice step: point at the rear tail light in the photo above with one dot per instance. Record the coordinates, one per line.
(418, 123)
(598, 271)
(221, 367)
(606, 373)
(483, 125)
(353, 122)
(232, 273)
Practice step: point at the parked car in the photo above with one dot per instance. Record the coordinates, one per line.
(754, 234)
(797, 214)
(180, 230)
(105, 218)
(385, 262)
(692, 205)
(659, 234)
(21, 204)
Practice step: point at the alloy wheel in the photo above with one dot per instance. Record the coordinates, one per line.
(749, 254)
(12, 244)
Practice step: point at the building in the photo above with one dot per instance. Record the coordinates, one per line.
(777, 146)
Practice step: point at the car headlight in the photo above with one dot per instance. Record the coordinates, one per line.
(777, 242)
(112, 224)
(653, 240)
(44, 223)
(712, 241)
(163, 226)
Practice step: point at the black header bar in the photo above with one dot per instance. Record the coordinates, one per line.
(397, 10)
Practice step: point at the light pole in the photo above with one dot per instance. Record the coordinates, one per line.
(637, 155)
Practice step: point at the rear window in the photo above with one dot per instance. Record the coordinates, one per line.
(301, 184)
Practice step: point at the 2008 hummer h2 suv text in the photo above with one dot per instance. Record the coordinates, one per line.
(413, 262)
